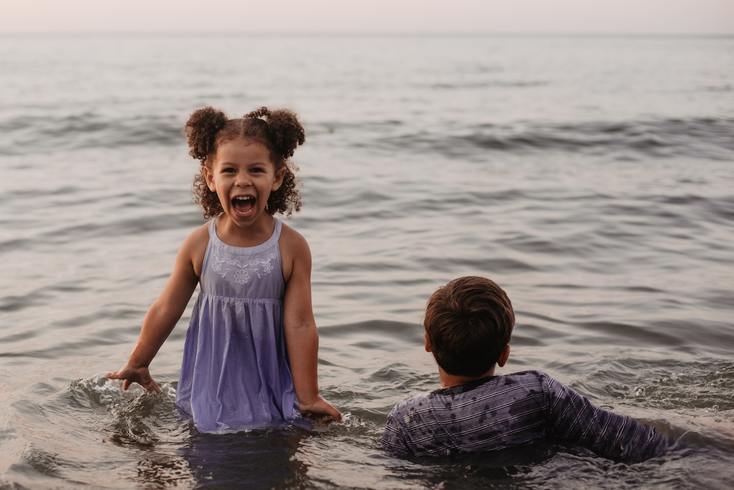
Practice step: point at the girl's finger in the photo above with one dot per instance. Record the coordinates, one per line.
(151, 386)
(335, 414)
(126, 384)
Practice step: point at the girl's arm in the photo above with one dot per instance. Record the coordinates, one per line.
(164, 313)
(302, 338)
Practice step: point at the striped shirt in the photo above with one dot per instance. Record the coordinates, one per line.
(501, 412)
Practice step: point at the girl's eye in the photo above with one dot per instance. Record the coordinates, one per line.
(258, 170)
(228, 170)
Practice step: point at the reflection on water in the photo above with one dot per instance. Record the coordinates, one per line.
(591, 179)
(263, 461)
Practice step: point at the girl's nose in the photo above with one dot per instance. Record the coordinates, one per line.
(243, 180)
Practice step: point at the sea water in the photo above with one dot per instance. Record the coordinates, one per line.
(592, 177)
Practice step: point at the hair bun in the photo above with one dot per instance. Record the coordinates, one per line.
(201, 131)
(286, 131)
(261, 112)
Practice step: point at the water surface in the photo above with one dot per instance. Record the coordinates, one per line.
(590, 176)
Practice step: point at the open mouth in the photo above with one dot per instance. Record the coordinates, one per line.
(243, 205)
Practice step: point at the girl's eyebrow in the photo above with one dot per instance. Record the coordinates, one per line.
(247, 163)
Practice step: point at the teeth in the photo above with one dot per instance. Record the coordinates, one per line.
(243, 198)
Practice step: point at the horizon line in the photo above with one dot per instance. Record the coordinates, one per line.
(357, 33)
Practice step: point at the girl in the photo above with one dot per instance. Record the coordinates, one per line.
(251, 349)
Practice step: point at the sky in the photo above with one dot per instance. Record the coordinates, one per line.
(409, 16)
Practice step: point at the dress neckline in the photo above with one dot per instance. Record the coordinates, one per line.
(273, 239)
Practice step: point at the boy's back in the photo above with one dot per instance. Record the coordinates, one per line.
(502, 412)
(468, 326)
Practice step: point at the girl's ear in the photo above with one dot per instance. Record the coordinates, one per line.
(426, 342)
(279, 176)
(209, 177)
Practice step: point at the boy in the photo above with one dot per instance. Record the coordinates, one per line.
(468, 325)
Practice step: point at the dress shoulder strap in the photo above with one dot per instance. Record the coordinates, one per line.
(212, 229)
(277, 230)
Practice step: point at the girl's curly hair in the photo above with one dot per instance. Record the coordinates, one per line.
(280, 132)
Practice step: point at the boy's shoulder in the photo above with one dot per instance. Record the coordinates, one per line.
(410, 402)
(470, 393)
(453, 419)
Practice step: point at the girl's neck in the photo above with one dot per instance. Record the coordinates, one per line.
(240, 236)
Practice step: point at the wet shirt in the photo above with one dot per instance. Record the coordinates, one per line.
(501, 412)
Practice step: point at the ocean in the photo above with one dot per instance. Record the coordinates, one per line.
(590, 176)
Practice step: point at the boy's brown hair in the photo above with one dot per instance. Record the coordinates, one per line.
(468, 322)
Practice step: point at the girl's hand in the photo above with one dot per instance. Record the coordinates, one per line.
(320, 407)
(139, 375)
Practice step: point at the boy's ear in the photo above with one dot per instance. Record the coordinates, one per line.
(504, 355)
(426, 342)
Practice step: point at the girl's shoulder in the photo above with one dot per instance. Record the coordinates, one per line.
(198, 237)
(194, 247)
(292, 242)
(294, 250)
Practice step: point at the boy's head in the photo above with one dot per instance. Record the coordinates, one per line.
(468, 325)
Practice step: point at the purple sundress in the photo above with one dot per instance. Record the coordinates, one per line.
(235, 373)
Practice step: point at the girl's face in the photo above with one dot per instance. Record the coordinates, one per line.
(243, 176)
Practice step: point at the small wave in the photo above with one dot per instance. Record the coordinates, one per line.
(707, 385)
(665, 384)
(332, 126)
(726, 87)
(706, 137)
(134, 416)
(480, 84)
(124, 226)
(378, 329)
(86, 130)
(487, 265)
(698, 136)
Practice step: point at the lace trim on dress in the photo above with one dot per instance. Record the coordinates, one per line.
(240, 270)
